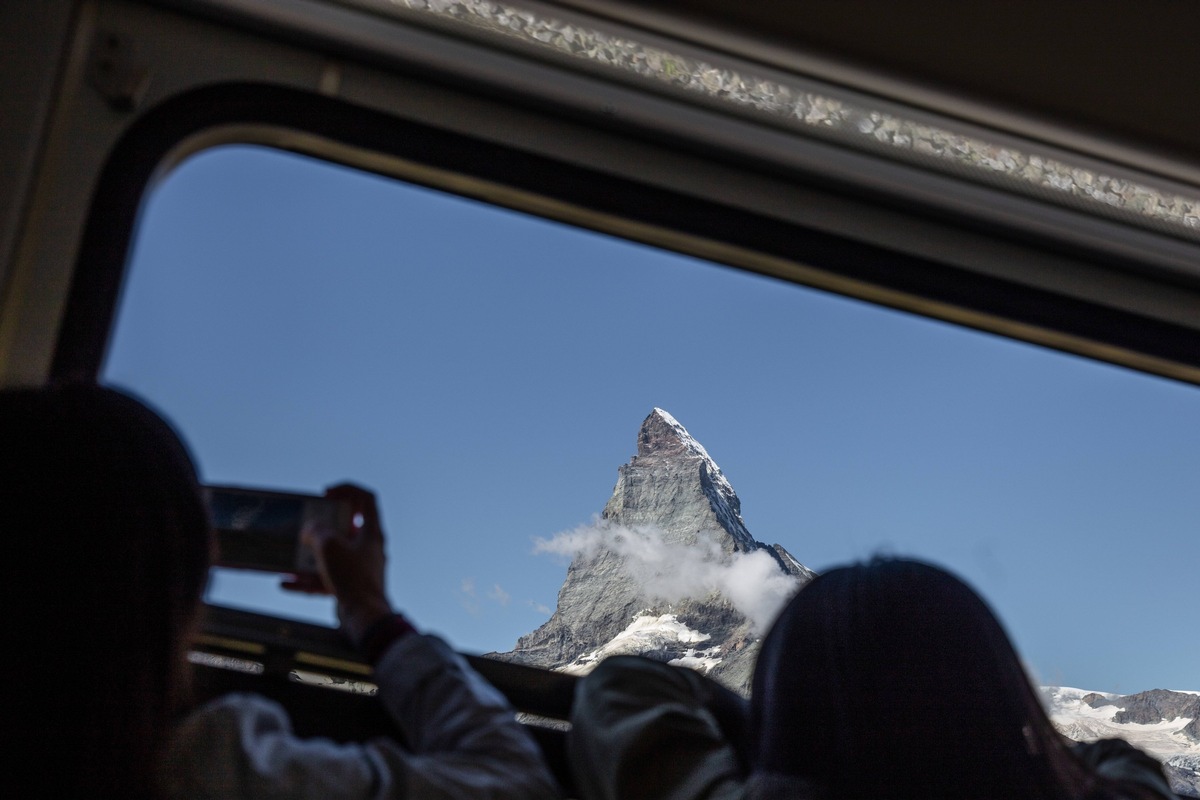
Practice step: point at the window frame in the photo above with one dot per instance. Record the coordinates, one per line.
(582, 194)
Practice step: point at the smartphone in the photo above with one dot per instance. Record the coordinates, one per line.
(259, 529)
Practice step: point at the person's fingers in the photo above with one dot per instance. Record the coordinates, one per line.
(307, 583)
(312, 538)
(328, 549)
(363, 507)
(351, 563)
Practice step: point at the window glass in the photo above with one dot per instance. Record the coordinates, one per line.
(486, 372)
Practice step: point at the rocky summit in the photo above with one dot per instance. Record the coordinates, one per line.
(669, 571)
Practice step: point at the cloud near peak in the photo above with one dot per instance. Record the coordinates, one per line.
(672, 571)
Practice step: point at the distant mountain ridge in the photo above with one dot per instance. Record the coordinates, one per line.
(1164, 723)
(673, 516)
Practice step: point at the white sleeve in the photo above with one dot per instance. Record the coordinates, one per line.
(464, 742)
(242, 746)
(464, 739)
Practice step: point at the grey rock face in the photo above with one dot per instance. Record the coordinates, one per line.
(1183, 773)
(1096, 700)
(609, 604)
(1192, 729)
(1156, 705)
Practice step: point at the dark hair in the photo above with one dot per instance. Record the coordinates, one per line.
(894, 679)
(108, 550)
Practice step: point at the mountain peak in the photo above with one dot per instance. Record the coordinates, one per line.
(668, 552)
(662, 435)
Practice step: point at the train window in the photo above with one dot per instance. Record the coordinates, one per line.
(486, 372)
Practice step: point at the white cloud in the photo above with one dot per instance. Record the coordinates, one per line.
(671, 571)
(469, 600)
(541, 608)
(499, 595)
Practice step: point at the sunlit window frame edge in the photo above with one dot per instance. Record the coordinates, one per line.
(836, 114)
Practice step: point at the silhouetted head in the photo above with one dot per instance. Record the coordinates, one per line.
(894, 679)
(108, 547)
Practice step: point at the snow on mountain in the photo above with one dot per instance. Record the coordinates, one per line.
(649, 634)
(1085, 716)
(699, 660)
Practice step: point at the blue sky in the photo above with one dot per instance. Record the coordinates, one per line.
(486, 373)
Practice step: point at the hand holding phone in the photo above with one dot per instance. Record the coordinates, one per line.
(331, 544)
(263, 530)
(352, 565)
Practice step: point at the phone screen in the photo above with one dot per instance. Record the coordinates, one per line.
(260, 530)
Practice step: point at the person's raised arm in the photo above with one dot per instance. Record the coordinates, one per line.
(351, 564)
(462, 735)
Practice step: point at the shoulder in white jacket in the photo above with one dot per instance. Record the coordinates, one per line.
(464, 740)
